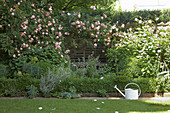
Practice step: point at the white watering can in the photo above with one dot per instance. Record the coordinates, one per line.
(130, 93)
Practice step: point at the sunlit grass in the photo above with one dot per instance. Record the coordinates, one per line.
(82, 106)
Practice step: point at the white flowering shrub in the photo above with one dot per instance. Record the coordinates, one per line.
(151, 47)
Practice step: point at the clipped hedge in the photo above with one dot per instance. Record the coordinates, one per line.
(85, 85)
(16, 87)
(147, 85)
(19, 87)
(125, 17)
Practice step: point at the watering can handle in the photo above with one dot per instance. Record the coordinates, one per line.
(136, 85)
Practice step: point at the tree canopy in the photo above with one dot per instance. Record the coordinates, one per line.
(81, 4)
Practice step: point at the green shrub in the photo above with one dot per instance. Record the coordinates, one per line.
(146, 84)
(102, 93)
(36, 69)
(85, 85)
(87, 68)
(32, 69)
(44, 66)
(163, 81)
(71, 94)
(125, 17)
(32, 91)
(90, 85)
(3, 70)
(47, 83)
(54, 77)
(19, 87)
(66, 95)
(16, 87)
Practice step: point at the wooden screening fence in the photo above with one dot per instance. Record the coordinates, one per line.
(86, 51)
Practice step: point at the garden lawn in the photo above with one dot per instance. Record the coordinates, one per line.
(82, 106)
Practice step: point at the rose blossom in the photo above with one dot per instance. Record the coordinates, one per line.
(93, 7)
(61, 56)
(59, 34)
(60, 28)
(52, 29)
(67, 51)
(11, 9)
(14, 55)
(32, 17)
(79, 15)
(95, 45)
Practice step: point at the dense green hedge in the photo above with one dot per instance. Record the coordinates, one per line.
(16, 87)
(125, 17)
(19, 87)
(92, 85)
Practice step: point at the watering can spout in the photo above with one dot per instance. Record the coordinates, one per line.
(119, 90)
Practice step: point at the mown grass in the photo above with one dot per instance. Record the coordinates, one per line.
(82, 106)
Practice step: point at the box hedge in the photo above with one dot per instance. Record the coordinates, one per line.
(19, 87)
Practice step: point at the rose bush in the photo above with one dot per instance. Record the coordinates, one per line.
(30, 31)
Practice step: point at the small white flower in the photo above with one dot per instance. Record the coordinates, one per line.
(123, 25)
(113, 27)
(149, 21)
(116, 112)
(136, 19)
(97, 108)
(40, 108)
(159, 51)
(138, 28)
(157, 19)
(101, 77)
(95, 45)
(161, 66)
(102, 102)
(140, 21)
(138, 56)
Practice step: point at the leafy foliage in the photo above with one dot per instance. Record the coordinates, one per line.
(102, 93)
(17, 87)
(4, 71)
(52, 79)
(129, 17)
(87, 68)
(83, 4)
(70, 95)
(32, 91)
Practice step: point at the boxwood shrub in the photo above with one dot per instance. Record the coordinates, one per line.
(85, 85)
(19, 87)
(16, 87)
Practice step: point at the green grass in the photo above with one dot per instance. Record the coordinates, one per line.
(82, 106)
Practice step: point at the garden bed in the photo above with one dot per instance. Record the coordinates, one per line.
(119, 95)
